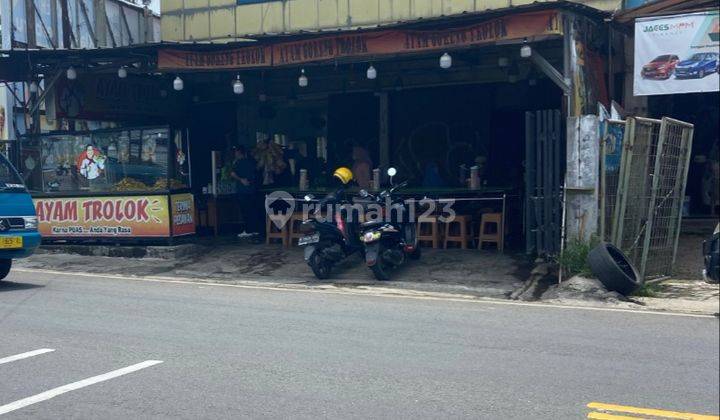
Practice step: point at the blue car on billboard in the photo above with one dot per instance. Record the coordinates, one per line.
(697, 66)
(19, 236)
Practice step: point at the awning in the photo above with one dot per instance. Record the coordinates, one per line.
(535, 22)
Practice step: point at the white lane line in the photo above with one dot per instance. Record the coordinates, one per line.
(24, 355)
(52, 393)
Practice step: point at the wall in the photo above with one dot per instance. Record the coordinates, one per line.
(218, 20)
(92, 24)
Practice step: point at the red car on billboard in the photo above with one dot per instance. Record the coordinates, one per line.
(662, 67)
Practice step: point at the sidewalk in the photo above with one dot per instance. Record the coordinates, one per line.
(468, 274)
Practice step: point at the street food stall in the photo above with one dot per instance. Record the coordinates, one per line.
(120, 184)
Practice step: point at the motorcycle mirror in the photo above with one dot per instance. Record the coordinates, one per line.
(364, 193)
(309, 197)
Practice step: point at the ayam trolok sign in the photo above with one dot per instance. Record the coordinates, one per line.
(533, 25)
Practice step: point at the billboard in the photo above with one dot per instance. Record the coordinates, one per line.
(110, 98)
(106, 217)
(677, 54)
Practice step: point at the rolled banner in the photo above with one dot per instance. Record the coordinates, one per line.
(474, 178)
(376, 179)
(303, 180)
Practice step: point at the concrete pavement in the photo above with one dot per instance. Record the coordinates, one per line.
(231, 352)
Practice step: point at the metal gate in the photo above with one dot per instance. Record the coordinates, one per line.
(611, 148)
(653, 175)
(544, 151)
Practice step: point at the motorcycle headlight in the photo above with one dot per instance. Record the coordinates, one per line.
(31, 222)
(371, 236)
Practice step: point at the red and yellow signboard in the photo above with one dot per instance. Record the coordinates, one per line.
(136, 216)
(183, 214)
(530, 25)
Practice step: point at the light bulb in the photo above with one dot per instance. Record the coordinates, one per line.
(371, 73)
(238, 87)
(71, 74)
(525, 51)
(122, 72)
(178, 83)
(445, 61)
(302, 80)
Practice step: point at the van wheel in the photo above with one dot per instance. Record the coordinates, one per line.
(5, 265)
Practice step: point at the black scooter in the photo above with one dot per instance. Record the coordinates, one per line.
(329, 241)
(389, 242)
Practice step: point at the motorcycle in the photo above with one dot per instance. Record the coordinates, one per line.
(329, 241)
(389, 243)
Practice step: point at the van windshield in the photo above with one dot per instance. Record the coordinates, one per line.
(9, 178)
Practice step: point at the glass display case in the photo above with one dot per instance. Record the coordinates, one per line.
(111, 161)
(131, 182)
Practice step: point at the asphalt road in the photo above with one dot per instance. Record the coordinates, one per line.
(230, 352)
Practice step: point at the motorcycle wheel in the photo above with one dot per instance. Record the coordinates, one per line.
(319, 266)
(381, 267)
(415, 255)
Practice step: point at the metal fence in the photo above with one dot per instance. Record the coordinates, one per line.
(651, 187)
(613, 132)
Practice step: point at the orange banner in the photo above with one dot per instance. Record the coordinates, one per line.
(140, 216)
(245, 57)
(327, 47)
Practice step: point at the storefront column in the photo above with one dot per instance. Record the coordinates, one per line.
(383, 134)
(582, 147)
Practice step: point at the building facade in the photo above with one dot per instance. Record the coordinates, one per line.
(228, 20)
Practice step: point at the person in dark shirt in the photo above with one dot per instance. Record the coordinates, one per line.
(244, 174)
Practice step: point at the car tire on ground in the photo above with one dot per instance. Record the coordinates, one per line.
(613, 269)
(5, 266)
(701, 74)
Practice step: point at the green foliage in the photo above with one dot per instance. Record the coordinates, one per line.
(647, 290)
(573, 259)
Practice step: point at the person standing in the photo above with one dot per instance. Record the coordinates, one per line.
(243, 172)
(362, 166)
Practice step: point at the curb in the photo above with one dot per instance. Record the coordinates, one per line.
(366, 290)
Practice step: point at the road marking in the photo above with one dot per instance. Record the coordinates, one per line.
(662, 414)
(52, 393)
(604, 416)
(357, 291)
(24, 355)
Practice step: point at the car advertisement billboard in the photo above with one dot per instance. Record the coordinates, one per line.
(677, 54)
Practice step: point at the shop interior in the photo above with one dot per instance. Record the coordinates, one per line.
(432, 123)
(702, 194)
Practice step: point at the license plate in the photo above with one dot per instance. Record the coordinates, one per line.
(11, 242)
(306, 240)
